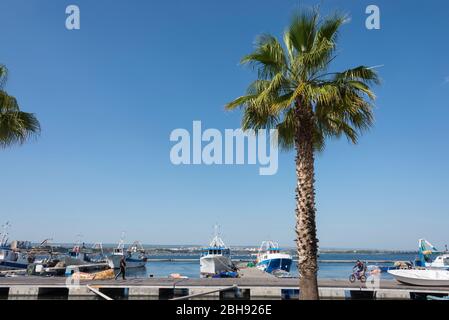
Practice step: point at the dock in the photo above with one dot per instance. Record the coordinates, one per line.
(252, 284)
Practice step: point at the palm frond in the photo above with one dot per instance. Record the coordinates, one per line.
(299, 36)
(240, 101)
(268, 58)
(3, 75)
(362, 73)
(8, 103)
(15, 126)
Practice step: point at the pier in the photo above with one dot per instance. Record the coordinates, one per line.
(252, 284)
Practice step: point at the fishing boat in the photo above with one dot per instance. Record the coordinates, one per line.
(270, 258)
(80, 254)
(13, 255)
(14, 259)
(426, 254)
(135, 256)
(216, 259)
(422, 277)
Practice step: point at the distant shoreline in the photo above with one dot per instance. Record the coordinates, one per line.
(195, 248)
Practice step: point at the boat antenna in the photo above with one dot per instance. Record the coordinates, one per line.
(216, 230)
(217, 241)
(4, 235)
(121, 244)
(79, 236)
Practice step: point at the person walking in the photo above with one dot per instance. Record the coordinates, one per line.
(122, 269)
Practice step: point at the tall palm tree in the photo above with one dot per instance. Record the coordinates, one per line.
(15, 126)
(297, 94)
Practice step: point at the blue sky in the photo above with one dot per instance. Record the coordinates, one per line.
(109, 95)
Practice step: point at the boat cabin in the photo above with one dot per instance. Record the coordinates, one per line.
(216, 251)
(441, 261)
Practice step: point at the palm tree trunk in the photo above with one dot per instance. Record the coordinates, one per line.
(307, 242)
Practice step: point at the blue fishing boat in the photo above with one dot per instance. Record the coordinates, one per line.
(430, 257)
(271, 259)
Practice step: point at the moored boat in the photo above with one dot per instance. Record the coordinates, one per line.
(271, 259)
(216, 259)
(430, 257)
(80, 255)
(424, 277)
(135, 256)
(13, 255)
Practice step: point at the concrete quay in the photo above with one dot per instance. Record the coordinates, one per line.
(251, 285)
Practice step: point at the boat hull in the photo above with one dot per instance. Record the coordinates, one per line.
(13, 265)
(114, 262)
(212, 265)
(271, 265)
(428, 278)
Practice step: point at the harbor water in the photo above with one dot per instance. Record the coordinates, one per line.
(333, 265)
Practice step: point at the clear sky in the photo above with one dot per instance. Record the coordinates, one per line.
(109, 95)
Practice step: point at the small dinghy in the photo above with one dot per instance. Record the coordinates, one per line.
(425, 277)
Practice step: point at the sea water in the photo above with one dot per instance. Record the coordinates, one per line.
(327, 270)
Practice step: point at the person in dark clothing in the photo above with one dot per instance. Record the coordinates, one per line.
(122, 269)
(359, 268)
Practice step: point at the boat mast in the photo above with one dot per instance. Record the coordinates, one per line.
(4, 234)
(217, 242)
(121, 244)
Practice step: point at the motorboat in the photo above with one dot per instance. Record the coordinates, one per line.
(422, 277)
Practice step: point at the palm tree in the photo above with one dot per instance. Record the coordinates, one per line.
(296, 94)
(15, 126)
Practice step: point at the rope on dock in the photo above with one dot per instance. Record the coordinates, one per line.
(205, 293)
(97, 292)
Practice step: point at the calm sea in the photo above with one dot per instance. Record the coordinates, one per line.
(339, 270)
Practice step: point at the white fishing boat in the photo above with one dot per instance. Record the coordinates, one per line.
(13, 255)
(424, 277)
(270, 258)
(80, 254)
(13, 259)
(216, 259)
(135, 256)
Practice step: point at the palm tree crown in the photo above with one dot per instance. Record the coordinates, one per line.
(296, 76)
(15, 126)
